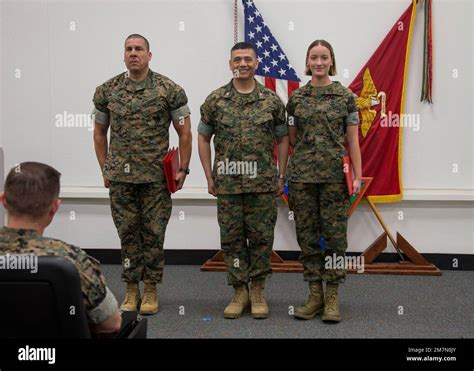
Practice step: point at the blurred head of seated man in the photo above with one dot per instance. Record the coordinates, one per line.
(31, 200)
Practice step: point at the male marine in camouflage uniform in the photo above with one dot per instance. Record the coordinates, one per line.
(138, 106)
(246, 119)
(31, 199)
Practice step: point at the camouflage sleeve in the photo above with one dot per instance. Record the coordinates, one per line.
(99, 301)
(178, 103)
(290, 109)
(206, 124)
(279, 119)
(353, 117)
(100, 112)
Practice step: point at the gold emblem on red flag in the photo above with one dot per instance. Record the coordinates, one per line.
(367, 99)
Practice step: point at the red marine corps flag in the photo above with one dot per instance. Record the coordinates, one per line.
(380, 91)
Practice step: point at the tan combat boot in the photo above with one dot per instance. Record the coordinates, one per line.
(331, 305)
(150, 299)
(132, 298)
(315, 303)
(257, 301)
(239, 302)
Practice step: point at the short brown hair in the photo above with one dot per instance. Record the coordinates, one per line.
(31, 188)
(242, 46)
(332, 69)
(138, 36)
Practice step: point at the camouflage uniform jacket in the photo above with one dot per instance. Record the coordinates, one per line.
(139, 115)
(99, 301)
(245, 127)
(320, 115)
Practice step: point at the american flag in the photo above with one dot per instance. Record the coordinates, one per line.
(274, 70)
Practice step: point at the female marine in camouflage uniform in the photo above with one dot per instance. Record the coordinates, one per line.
(320, 115)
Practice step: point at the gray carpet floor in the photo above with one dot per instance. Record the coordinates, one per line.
(372, 306)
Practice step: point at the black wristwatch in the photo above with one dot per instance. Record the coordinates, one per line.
(186, 171)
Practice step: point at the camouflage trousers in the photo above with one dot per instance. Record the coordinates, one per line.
(321, 210)
(247, 223)
(141, 213)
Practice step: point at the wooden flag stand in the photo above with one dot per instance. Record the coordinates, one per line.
(216, 264)
(415, 265)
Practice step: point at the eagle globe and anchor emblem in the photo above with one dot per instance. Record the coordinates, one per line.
(369, 97)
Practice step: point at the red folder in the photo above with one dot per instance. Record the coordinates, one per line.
(166, 171)
(347, 168)
(171, 168)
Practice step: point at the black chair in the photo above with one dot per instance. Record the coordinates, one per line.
(48, 303)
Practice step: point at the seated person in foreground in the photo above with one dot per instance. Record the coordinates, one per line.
(31, 200)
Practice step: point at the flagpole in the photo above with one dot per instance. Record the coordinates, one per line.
(236, 27)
